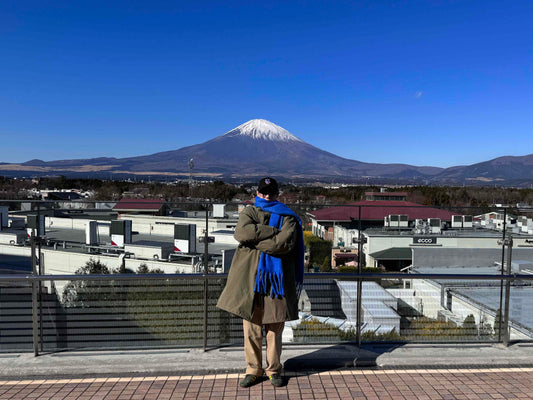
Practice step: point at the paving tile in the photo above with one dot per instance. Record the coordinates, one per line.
(475, 384)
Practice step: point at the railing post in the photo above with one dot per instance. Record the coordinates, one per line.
(359, 284)
(34, 298)
(40, 271)
(206, 271)
(506, 331)
(502, 242)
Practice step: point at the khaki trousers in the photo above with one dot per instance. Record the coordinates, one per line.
(253, 347)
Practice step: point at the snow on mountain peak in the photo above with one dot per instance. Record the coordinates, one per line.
(263, 129)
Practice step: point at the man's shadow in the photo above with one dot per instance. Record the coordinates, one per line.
(338, 357)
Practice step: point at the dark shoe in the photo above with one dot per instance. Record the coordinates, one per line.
(276, 380)
(249, 380)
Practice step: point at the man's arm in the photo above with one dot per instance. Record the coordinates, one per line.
(282, 242)
(250, 231)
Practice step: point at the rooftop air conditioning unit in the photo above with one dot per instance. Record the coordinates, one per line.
(457, 221)
(468, 221)
(91, 233)
(219, 210)
(120, 232)
(404, 220)
(527, 225)
(35, 223)
(434, 225)
(394, 220)
(185, 238)
(4, 216)
(421, 227)
(386, 221)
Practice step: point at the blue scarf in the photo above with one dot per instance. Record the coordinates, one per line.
(270, 269)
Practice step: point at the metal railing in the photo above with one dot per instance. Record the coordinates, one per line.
(161, 310)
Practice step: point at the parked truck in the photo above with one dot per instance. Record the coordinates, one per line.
(14, 238)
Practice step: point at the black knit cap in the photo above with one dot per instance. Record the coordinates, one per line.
(268, 186)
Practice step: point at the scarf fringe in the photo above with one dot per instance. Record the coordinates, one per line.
(265, 279)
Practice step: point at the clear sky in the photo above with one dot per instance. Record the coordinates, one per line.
(429, 82)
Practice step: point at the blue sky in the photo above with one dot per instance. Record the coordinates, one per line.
(437, 83)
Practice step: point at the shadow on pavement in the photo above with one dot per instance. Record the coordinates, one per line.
(339, 357)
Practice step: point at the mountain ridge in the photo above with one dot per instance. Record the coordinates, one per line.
(260, 147)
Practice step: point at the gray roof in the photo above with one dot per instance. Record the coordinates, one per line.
(487, 293)
(520, 306)
(394, 253)
(464, 257)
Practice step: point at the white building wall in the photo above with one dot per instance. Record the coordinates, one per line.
(151, 225)
(347, 236)
(60, 262)
(377, 243)
(317, 229)
(148, 225)
(77, 224)
(423, 297)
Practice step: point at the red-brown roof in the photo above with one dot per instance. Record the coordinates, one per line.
(139, 204)
(345, 255)
(377, 210)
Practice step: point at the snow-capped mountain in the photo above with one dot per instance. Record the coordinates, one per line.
(261, 129)
(260, 147)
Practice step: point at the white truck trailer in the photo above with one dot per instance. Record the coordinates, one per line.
(149, 249)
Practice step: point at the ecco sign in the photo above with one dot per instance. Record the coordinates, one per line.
(424, 240)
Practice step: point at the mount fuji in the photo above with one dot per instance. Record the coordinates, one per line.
(260, 147)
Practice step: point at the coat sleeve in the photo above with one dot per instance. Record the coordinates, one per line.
(250, 232)
(282, 242)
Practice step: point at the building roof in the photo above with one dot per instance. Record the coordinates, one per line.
(394, 253)
(345, 255)
(486, 293)
(139, 205)
(434, 257)
(63, 196)
(490, 297)
(376, 210)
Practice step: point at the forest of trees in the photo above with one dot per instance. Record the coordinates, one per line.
(440, 196)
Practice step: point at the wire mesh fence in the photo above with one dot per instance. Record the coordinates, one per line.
(154, 311)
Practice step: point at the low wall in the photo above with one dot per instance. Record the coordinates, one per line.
(149, 225)
(77, 224)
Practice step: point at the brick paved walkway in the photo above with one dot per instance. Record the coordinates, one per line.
(471, 384)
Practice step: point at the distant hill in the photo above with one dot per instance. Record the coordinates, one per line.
(259, 147)
(506, 169)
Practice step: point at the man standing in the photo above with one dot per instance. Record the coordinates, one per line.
(265, 279)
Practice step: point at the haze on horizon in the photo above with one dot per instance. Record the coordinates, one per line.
(424, 83)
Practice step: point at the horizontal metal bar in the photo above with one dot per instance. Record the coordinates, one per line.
(293, 205)
(104, 277)
(363, 277)
(367, 277)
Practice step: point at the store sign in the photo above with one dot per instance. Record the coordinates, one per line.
(424, 240)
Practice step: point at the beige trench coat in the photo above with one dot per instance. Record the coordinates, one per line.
(255, 236)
